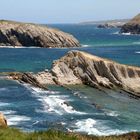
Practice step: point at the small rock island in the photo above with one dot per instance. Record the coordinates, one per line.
(26, 34)
(133, 26)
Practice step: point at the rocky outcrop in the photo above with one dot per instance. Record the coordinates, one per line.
(25, 34)
(132, 27)
(111, 25)
(3, 121)
(26, 78)
(78, 67)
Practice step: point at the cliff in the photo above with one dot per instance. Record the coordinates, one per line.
(113, 24)
(25, 34)
(78, 67)
(133, 26)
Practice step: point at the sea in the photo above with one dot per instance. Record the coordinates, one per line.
(82, 109)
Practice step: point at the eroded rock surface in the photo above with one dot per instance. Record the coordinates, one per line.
(78, 67)
(3, 121)
(133, 26)
(25, 34)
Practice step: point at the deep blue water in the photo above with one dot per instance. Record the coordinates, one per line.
(29, 108)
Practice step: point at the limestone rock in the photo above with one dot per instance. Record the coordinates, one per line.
(3, 121)
(25, 34)
(78, 67)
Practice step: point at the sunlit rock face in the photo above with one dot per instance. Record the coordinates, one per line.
(25, 34)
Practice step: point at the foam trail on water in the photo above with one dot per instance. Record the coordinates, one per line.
(4, 104)
(53, 101)
(138, 52)
(136, 43)
(8, 112)
(14, 120)
(91, 127)
(116, 33)
(126, 33)
(85, 45)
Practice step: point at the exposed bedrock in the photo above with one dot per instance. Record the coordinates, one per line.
(78, 67)
(25, 34)
(133, 26)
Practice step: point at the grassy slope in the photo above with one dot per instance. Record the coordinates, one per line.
(14, 134)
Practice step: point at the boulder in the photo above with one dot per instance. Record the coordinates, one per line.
(3, 121)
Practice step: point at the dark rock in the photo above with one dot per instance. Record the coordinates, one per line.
(27, 78)
(132, 27)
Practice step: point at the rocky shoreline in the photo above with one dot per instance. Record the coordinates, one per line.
(18, 34)
(111, 25)
(78, 67)
(132, 27)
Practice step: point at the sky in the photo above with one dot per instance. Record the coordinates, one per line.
(67, 11)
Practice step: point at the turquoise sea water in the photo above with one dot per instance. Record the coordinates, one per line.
(89, 111)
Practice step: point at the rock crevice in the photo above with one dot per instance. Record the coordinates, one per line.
(25, 34)
(78, 67)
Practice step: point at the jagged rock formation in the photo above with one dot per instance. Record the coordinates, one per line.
(3, 121)
(133, 26)
(26, 78)
(25, 34)
(78, 67)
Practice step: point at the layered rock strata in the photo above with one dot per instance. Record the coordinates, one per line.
(78, 67)
(25, 34)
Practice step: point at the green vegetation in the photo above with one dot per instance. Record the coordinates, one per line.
(15, 134)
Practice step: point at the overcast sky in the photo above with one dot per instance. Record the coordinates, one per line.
(67, 11)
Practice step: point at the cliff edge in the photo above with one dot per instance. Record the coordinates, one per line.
(26, 34)
(133, 26)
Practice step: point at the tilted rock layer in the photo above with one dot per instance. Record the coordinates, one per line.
(133, 26)
(25, 34)
(78, 67)
(82, 68)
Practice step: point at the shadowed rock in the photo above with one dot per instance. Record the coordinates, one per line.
(26, 78)
(25, 34)
(133, 26)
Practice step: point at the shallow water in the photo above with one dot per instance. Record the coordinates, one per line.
(82, 109)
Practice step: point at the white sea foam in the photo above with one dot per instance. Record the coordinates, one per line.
(115, 33)
(87, 126)
(112, 113)
(52, 101)
(16, 119)
(138, 52)
(85, 45)
(39, 90)
(4, 104)
(3, 89)
(8, 112)
(136, 43)
(126, 33)
(59, 105)
(91, 126)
